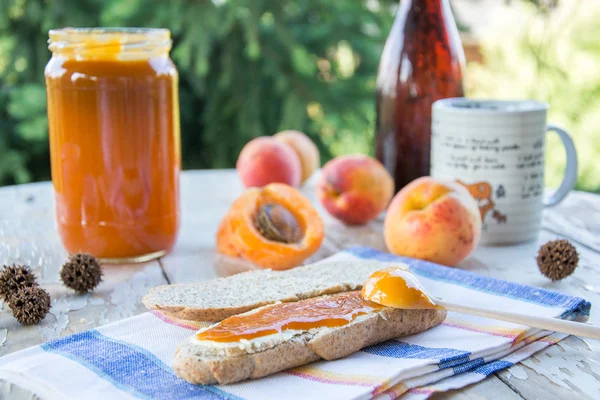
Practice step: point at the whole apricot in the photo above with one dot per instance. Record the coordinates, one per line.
(355, 189)
(265, 160)
(434, 220)
(306, 149)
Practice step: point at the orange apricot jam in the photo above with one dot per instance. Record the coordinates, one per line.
(113, 116)
(396, 287)
(332, 311)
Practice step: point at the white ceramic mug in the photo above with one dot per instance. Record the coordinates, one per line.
(496, 149)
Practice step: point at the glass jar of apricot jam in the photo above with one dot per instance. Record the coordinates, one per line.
(113, 114)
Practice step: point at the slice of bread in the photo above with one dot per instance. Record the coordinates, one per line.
(206, 362)
(218, 299)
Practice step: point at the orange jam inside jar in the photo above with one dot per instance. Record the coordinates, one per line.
(113, 114)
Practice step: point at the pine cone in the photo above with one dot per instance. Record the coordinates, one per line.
(557, 259)
(30, 305)
(14, 277)
(81, 273)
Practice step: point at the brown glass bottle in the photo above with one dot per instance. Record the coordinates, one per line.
(422, 61)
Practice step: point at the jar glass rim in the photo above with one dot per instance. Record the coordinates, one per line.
(84, 42)
(73, 34)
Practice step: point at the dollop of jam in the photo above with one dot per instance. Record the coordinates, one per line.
(396, 287)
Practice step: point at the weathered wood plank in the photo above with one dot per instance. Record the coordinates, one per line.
(577, 217)
(14, 392)
(490, 388)
(206, 197)
(567, 370)
(28, 236)
(570, 369)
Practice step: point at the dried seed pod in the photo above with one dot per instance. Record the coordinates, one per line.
(557, 259)
(81, 273)
(30, 304)
(13, 277)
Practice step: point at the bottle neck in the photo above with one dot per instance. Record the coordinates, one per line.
(432, 13)
(426, 5)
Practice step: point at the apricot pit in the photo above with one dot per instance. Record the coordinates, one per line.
(277, 223)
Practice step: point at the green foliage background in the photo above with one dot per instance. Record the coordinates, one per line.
(552, 56)
(247, 68)
(254, 67)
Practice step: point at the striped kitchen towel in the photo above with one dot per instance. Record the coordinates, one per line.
(131, 358)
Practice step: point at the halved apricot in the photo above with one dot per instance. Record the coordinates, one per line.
(273, 227)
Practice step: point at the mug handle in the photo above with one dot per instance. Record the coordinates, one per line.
(570, 176)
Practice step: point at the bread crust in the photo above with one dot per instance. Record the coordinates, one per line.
(197, 365)
(204, 301)
(191, 315)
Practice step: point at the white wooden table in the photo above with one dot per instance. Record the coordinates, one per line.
(570, 369)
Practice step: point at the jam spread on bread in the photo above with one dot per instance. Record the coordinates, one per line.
(396, 287)
(319, 312)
